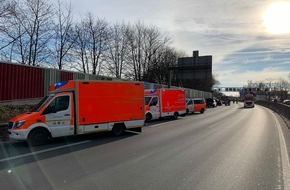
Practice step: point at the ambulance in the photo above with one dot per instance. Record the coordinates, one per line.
(161, 103)
(80, 107)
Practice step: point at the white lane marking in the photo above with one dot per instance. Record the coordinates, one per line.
(284, 156)
(42, 151)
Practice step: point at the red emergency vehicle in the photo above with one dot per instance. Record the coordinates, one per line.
(164, 102)
(80, 107)
(249, 101)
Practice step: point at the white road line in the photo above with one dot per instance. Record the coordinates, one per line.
(42, 151)
(284, 156)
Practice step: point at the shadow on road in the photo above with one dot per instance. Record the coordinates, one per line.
(244, 108)
(17, 153)
(4, 134)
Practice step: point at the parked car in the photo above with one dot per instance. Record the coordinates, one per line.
(227, 102)
(286, 102)
(218, 102)
(210, 103)
(199, 105)
(189, 106)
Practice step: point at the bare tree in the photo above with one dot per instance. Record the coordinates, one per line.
(31, 31)
(7, 10)
(281, 84)
(79, 48)
(136, 56)
(92, 37)
(146, 45)
(164, 59)
(64, 37)
(154, 46)
(38, 33)
(117, 50)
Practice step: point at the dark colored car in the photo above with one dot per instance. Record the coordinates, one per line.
(210, 103)
(227, 102)
(218, 102)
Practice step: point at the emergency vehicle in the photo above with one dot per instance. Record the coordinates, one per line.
(189, 105)
(199, 105)
(249, 101)
(79, 107)
(161, 103)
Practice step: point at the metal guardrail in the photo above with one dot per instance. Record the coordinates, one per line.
(281, 109)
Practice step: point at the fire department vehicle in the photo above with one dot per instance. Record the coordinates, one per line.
(163, 103)
(249, 101)
(79, 107)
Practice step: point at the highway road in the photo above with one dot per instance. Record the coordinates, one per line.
(226, 148)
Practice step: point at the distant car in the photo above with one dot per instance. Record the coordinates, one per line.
(286, 102)
(219, 102)
(189, 106)
(227, 102)
(210, 103)
(199, 105)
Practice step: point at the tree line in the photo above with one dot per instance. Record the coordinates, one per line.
(270, 84)
(40, 33)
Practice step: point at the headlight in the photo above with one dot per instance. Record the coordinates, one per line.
(18, 124)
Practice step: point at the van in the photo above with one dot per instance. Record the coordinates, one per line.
(189, 106)
(81, 107)
(199, 105)
(164, 103)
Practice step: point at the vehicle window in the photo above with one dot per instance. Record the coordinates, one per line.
(154, 101)
(147, 100)
(189, 102)
(41, 103)
(198, 101)
(60, 103)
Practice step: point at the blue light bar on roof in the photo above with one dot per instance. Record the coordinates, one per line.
(60, 84)
(153, 90)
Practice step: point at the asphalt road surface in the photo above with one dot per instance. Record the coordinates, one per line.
(228, 147)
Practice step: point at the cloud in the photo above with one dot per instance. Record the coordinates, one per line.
(233, 32)
(240, 47)
(257, 63)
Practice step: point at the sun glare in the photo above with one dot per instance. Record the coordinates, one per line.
(277, 18)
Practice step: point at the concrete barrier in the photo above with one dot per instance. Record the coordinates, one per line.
(282, 109)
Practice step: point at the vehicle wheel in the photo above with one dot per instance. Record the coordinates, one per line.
(175, 116)
(148, 117)
(187, 111)
(38, 137)
(118, 129)
(202, 110)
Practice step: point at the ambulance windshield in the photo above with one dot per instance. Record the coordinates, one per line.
(147, 100)
(41, 103)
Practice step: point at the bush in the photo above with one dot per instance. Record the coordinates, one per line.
(10, 111)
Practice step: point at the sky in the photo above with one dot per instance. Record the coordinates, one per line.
(249, 40)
